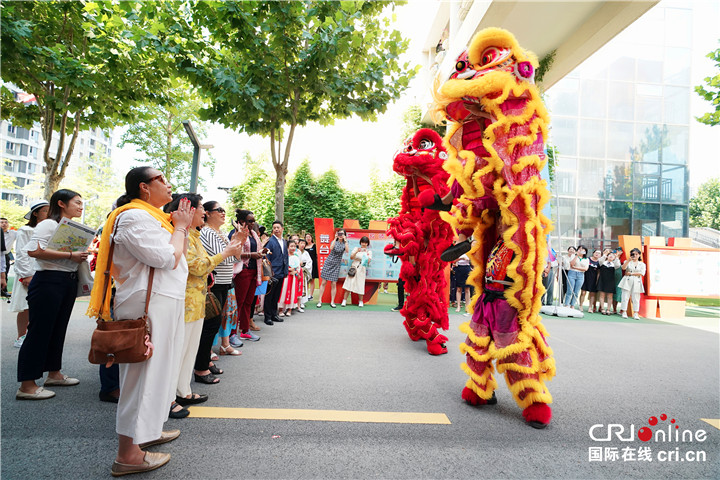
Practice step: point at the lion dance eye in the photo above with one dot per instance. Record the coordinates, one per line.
(460, 66)
(490, 55)
(425, 144)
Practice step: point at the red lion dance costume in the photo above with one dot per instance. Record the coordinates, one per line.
(420, 235)
(495, 142)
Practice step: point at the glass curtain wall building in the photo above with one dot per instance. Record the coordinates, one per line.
(620, 127)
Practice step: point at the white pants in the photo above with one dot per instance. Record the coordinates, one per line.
(148, 388)
(187, 357)
(627, 295)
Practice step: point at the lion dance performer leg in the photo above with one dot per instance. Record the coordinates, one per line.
(495, 142)
(420, 236)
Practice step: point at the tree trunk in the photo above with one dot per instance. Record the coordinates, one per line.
(281, 169)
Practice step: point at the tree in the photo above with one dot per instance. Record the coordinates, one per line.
(384, 196)
(301, 202)
(705, 206)
(276, 66)
(711, 92)
(412, 122)
(86, 64)
(255, 193)
(160, 136)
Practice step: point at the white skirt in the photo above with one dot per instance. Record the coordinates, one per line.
(18, 302)
(148, 388)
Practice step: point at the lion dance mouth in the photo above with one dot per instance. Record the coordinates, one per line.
(495, 142)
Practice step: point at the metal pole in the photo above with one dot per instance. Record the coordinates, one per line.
(196, 155)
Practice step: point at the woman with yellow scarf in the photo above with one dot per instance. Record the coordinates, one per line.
(146, 237)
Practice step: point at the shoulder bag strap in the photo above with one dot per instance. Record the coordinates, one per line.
(107, 273)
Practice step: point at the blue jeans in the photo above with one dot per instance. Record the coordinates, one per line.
(574, 284)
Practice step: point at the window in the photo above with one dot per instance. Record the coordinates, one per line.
(564, 135)
(677, 105)
(646, 182)
(676, 145)
(617, 219)
(566, 223)
(591, 181)
(590, 217)
(592, 98)
(649, 103)
(592, 138)
(650, 66)
(619, 140)
(20, 182)
(618, 181)
(10, 147)
(21, 166)
(673, 222)
(563, 97)
(645, 219)
(621, 101)
(674, 183)
(677, 66)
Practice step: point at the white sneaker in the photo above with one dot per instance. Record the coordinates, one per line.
(301, 310)
(624, 315)
(18, 343)
(319, 304)
(360, 304)
(636, 316)
(343, 304)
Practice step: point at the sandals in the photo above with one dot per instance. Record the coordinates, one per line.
(229, 350)
(215, 370)
(182, 413)
(214, 357)
(208, 379)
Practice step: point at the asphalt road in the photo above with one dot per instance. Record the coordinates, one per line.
(609, 372)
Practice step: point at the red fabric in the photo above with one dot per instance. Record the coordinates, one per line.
(245, 285)
(538, 412)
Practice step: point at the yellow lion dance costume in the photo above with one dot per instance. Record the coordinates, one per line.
(495, 141)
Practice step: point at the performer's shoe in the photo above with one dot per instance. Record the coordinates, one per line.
(436, 346)
(538, 415)
(473, 398)
(391, 251)
(453, 252)
(432, 201)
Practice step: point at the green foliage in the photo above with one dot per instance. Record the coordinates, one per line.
(412, 122)
(301, 200)
(99, 186)
(87, 63)
(159, 134)
(544, 66)
(308, 197)
(274, 66)
(14, 213)
(711, 92)
(705, 206)
(256, 192)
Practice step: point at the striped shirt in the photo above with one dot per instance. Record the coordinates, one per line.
(215, 243)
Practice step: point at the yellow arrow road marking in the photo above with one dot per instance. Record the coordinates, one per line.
(715, 422)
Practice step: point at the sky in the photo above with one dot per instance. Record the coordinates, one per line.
(352, 147)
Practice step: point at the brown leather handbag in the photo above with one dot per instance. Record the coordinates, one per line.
(121, 341)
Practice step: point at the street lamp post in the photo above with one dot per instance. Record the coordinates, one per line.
(196, 155)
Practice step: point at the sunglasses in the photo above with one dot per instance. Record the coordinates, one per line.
(160, 177)
(219, 210)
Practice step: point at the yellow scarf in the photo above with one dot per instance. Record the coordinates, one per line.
(97, 308)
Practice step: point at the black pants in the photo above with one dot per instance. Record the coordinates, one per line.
(272, 297)
(51, 297)
(401, 292)
(211, 326)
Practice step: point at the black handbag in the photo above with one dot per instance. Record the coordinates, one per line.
(351, 271)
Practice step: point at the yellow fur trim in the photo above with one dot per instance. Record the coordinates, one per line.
(497, 37)
(482, 379)
(484, 394)
(468, 350)
(479, 341)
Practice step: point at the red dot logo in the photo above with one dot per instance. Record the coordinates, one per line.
(645, 434)
(652, 421)
(663, 417)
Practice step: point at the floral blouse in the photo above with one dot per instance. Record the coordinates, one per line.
(200, 264)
